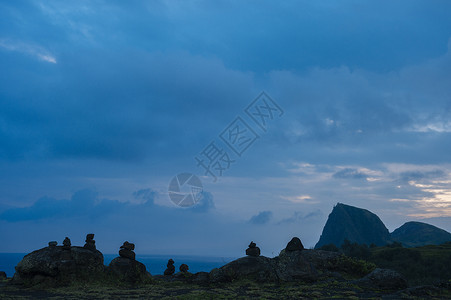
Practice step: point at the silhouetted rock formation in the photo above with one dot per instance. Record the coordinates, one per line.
(53, 244)
(293, 266)
(294, 263)
(90, 243)
(184, 268)
(355, 224)
(288, 266)
(2, 275)
(294, 245)
(363, 227)
(306, 266)
(127, 268)
(66, 254)
(126, 250)
(415, 234)
(59, 265)
(170, 268)
(253, 250)
(383, 278)
(257, 268)
(66, 243)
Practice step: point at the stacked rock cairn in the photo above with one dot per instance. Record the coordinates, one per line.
(294, 245)
(127, 250)
(184, 268)
(90, 243)
(170, 268)
(253, 250)
(66, 255)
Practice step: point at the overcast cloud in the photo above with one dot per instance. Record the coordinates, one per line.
(103, 102)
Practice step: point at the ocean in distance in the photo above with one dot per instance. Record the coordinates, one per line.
(155, 264)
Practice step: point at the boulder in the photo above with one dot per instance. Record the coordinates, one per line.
(320, 259)
(53, 244)
(129, 270)
(255, 268)
(2, 275)
(50, 265)
(294, 245)
(127, 253)
(66, 255)
(293, 266)
(383, 279)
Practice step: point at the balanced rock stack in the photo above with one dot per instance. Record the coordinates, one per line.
(90, 243)
(127, 250)
(294, 245)
(66, 255)
(170, 268)
(184, 268)
(66, 243)
(253, 250)
(127, 268)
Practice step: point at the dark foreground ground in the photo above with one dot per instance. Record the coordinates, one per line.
(242, 289)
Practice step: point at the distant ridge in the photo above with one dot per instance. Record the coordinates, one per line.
(414, 234)
(361, 226)
(355, 224)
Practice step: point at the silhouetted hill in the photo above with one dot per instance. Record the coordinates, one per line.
(414, 234)
(355, 224)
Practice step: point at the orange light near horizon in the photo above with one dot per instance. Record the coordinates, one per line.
(438, 205)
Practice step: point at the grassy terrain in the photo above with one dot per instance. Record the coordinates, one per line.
(243, 289)
(419, 265)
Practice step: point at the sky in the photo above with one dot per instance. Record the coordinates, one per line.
(102, 103)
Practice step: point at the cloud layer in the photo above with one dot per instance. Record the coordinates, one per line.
(101, 100)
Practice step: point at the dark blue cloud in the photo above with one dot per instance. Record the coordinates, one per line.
(261, 218)
(86, 204)
(349, 173)
(299, 217)
(83, 203)
(205, 203)
(418, 175)
(167, 80)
